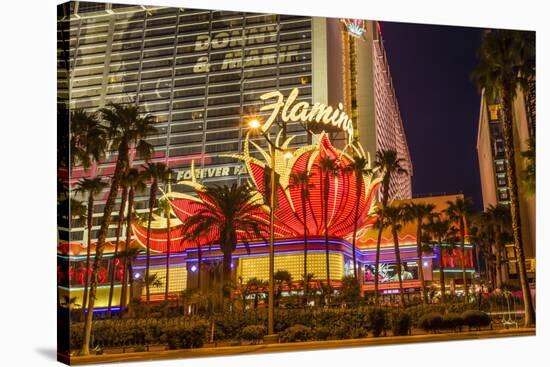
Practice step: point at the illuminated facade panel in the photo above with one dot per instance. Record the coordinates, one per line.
(177, 279)
(258, 267)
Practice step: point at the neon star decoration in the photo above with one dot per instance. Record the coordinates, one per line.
(356, 27)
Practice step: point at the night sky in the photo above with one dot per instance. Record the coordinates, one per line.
(439, 104)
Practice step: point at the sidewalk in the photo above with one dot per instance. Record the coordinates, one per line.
(300, 346)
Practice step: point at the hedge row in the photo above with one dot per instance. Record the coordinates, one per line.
(191, 331)
(434, 322)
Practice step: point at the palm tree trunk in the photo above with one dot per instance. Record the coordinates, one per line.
(464, 278)
(306, 279)
(125, 260)
(119, 168)
(89, 223)
(115, 256)
(441, 272)
(421, 261)
(325, 207)
(152, 197)
(377, 262)
(226, 273)
(511, 175)
(385, 197)
(498, 268)
(131, 280)
(398, 261)
(356, 218)
(167, 257)
(199, 265)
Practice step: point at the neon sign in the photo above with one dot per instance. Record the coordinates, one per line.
(303, 112)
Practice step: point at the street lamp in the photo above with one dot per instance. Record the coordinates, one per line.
(255, 124)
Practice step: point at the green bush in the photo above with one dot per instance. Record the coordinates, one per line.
(186, 336)
(476, 319)
(377, 321)
(401, 324)
(431, 322)
(253, 333)
(322, 333)
(296, 333)
(452, 321)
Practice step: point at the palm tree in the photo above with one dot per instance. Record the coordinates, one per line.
(482, 234)
(126, 129)
(92, 187)
(507, 61)
(282, 279)
(500, 220)
(392, 217)
(155, 172)
(441, 231)
(359, 167)
(88, 138)
(459, 211)
(302, 180)
(135, 181)
(227, 210)
(327, 167)
(128, 255)
(389, 163)
(419, 213)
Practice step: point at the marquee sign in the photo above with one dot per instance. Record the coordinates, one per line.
(302, 111)
(235, 59)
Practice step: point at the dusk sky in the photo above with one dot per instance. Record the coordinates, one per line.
(430, 66)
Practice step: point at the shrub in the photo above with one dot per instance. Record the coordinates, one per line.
(377, 321)
(431, 322)
(401, 324)
(476, 319)
(342, 332)
(452, 321)
(253, 333)
(322, 333)
(296, 333)
(185, 337)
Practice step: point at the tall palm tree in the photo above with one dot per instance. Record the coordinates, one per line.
(507, 61)
(389, 164)
(126, 128)
(359, 168)
(459, 211)
(91, 187)
(302, 180)
(327, 167)
(166, 209)
(120, 221)
(227, 210)
(156, 173)
(135, 181)
(393, 217)
(419, 213)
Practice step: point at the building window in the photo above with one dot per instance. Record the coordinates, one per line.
(493, 112)
(500, 166)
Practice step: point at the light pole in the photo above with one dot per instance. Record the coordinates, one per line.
(256, 125)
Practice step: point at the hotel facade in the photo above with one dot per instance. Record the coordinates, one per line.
(201, 74)
(492, 166)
